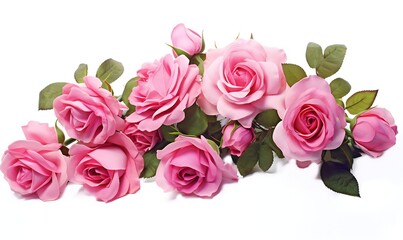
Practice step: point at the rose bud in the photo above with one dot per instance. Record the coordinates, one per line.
(375, 131)
(186, 39)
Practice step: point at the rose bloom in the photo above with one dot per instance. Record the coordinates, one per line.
(108, 171)
(186, 39)
(88, 112)
(36, 166)
(237, 141)
(143, 140)
(241, 80)
(312, 122)
(191, 166)
(375, 131)
(165, 89)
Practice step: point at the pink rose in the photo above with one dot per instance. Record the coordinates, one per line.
(89, 113)
(186, 39)
(312, 122)
(143, 140)
(191, 166)
(375, 131)
(165, 89)
(36, 166)
(109, 171)
(241, 80)
(237, 141)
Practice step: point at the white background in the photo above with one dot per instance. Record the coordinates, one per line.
(44, 41)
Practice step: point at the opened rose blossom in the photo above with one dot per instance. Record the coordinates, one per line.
(195, 119)
(88, 112)
(165, 89)
(312, 122)
(35, 166)
(241, 80)
(110, 170)
(192, 166)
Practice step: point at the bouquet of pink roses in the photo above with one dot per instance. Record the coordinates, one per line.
(184, 113)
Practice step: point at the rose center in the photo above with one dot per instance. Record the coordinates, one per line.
(187, 175)
(241, 76)
(24, 177)
(308, 123)
(96, 174)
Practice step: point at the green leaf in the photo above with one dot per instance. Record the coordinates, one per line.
(339, 179)
(48, 95)
(214, 145)
(341, 155)
(293, 73)
(268, 118)
(195, 122)
(340, 103)
(269, 141)
(179, 52)
(247, 161)
(332, 61)
(110, 70)
(169, 133)
(60, 134)
(340, 87)
(265, 157)
(126, 93)
(314, 54)
(151, 163)
(81, 72)
(361, 101)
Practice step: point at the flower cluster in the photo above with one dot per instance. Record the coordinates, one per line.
(184, 113)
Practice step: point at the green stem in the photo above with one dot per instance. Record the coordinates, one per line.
(348, 119)
(349, 134)
(69, 141)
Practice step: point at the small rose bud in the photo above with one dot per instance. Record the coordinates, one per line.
(375, 131)
(237, 141)
(186, 39)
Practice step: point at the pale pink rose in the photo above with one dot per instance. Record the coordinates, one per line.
(108, 171)
(241, 80)
(88, 112)
(191, 166)
(36, 167)
(165, 89)
(186, 39)
(312, 122)
(375, 131)
(143, 140)
(237, 141)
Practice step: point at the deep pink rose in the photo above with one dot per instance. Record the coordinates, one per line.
(191, 166)
(312, 122)
(241, 80)
(186, 39)
(143, 140)
(110, 170)
(375, 131)
(88, 112)
(237, 141)
(36, 166)
(165, 89)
